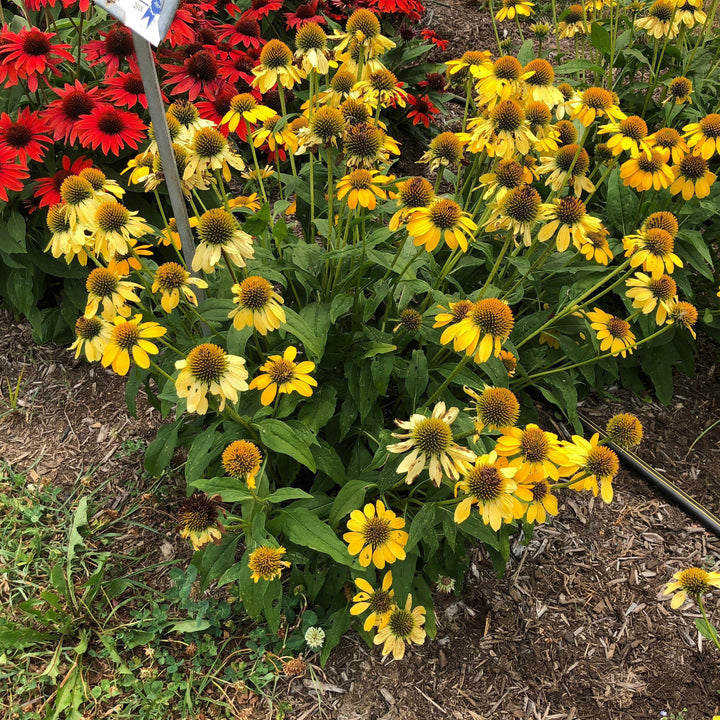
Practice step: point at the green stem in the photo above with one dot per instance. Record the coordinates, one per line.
(255, 160)
(463, 362)
(284, 113)
(708, 624)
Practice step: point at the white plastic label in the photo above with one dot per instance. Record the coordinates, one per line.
(151, 19)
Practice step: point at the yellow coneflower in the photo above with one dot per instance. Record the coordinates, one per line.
(575, 22)
(242, 459)
(363, 27)
(509, 362)
(613, 332)
(131, 337)
(91, 336)
(362, 187)
(647, 171)
(258, 305)
(139, 167)
(429, 442)
(312, 49)
(703, 137)
(380, 602)
(325, 129)
(341, 85)
(508, 175)
(595, 247)
(540, 85)
(412, 194)
(501, 80)
(540, 500)
(106, 286)
(648, 292)
(514, 8)
(275, 132)
(533, 453)
(248, 202)
(67, 237)
(539, 116)
(209, 369)
(629, 135)
(266, 563)
(625, 430)
(245, 107)
(559, 166)
(653, 249)
(662, 20)
(684, 314)
(490, 485)
(276, 67)
(402, 625)
(457, 312)
(567, 219)
(566, 107)
(505, 132)
(198, 518)
(209, 150)
(281, 374)
(220, 234)
(461, 67)
(592, 464)
(443, 220)
(689, 12)
(171, 279)
(187, 114)
(366, 145)
(446, 149)
(596, 102)
(170, 235)
(693, 581)
(692, 177)
(410, 320)
(679, 91)
(518, 212)
(483, 330)
(125, 262)
(80, 200)
(355, 111)
(376, 535)
(381, 88)
(669, 143)
(495, 408)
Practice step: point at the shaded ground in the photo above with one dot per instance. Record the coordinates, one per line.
(576, 629)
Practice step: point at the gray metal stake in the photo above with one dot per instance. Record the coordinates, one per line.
(162, 137)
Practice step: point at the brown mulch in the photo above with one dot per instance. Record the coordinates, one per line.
(575, 630)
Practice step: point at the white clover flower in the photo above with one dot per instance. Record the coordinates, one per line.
(315, 638)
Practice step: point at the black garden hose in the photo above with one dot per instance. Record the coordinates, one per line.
(691, 507)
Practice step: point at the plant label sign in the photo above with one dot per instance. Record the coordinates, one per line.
(150, 19)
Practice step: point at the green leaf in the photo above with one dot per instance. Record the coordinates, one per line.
(350, 497)
(622, 204)
(232, 574)
(378, 348)
(229, 489)
(199, 454)
(213, 560)
(135, 380)
(476, 528)
(422, 524)
(403, 574)
(423, 596)
(319, 409)
(13, 241)
(160, 451)
(305, 528)
(526, 52)
(287, 493)
(600, 38)
(251, 592)
(576, 66)
(338, 623)
(257, 223)
(75, 539)
(190, 626)
(417, 377)
(706, 630)
(296, 326)
(329, 462)
(280, 437)
(340, 305)
(18, 639)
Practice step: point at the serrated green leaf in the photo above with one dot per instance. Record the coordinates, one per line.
(229, 489)
(280, 437)
(305, 528)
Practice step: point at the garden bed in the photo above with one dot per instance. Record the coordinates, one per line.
(576, 628)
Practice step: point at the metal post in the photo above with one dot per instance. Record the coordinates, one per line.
(167, 156)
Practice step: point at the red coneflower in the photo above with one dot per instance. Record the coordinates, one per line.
(199, 73)
(32, 53)
(113, 48)
(11, 173)
(83, 5)
(238, 69)
(412, 8)
(422, 110)
(262, 8)
(246, 31)
(305, 13)
(110, 129)
(435, 39)
(436, 82)
(25, 137)
(126, 90)
(72, 103)
(48, 188)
